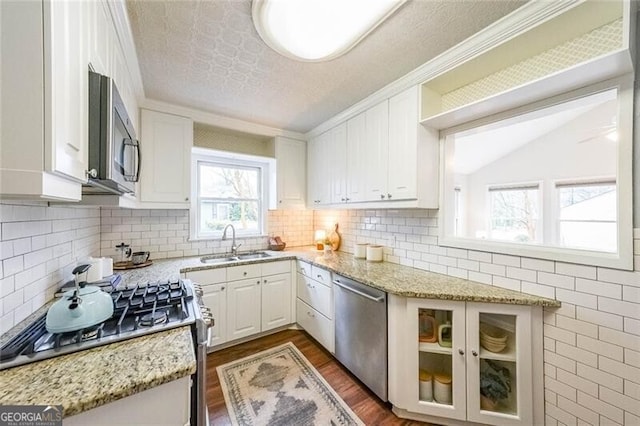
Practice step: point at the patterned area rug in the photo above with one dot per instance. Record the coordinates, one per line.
(280, 387)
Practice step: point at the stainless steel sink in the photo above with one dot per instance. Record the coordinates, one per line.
(225, 258)
(249, 256)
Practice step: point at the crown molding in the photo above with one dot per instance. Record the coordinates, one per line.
(120, 18)
(520, 20)
(221, 121)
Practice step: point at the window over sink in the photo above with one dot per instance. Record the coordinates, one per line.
(228, 189)
(549, 180)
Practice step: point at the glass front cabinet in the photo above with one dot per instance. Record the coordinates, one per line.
(471, 362)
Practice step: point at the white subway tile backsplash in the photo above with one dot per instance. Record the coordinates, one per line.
(600, 318)
(620, 277)
(601, 348)
(582, 413)
(581, 271)
(632, 326)
(537, 289)
(556, 280)
(480, 256)
(490, 268)
(561, 389)
(538, 264)
(521, 274)
(503, 259)
(621, 401)
(603, 408)
(631, 294)
(507, 283)
(601, 377)
(620, 338)
(619, 369)
(577, 326)
(627, 309)
(577, 382)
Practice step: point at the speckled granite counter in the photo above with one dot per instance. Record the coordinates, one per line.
(390, 277)
(84, 380)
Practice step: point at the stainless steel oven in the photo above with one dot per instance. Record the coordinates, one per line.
(114, 151)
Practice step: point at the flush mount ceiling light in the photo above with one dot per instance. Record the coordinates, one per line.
(318, 30)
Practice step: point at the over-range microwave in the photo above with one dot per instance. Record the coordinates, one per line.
(114, 151)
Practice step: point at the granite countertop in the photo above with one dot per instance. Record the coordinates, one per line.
(389, 277)
(87, 379)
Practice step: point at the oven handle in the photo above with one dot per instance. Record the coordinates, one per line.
(358, 292)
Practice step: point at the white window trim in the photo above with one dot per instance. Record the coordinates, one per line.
(267, 186)
(623, 258)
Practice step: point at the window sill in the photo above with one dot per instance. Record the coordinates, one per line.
(622, 260)
(219, 238)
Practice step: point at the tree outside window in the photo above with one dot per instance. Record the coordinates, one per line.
(514, 214)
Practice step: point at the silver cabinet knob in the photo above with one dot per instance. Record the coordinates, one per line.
(474, 353)
(460, 351)
(382, 196)
(389, 196)
(186, 199)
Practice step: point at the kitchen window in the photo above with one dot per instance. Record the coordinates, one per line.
(228, 189)
(549, 180)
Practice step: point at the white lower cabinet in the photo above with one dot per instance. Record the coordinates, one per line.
(167, 404)
(314, 304)
(246, 300)
(243, 308)
(441, 368)
(215, 298)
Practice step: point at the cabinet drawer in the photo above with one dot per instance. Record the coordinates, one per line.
(273, 268)
(316, 295)
(321, 275)
(303, 268)
(235, 273)
(208, 276)
(316, 324)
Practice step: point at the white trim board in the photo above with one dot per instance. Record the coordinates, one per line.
(212, 119)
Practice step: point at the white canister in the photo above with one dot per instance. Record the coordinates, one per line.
(426, 391)
(442, 388)
(361, 251)
(374, 253)
(95, 272)
(107, 267)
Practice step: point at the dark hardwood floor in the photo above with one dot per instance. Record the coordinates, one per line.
(370, 409)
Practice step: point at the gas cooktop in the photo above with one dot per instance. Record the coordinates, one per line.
(138, 310)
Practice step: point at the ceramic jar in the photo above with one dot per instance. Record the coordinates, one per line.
(442, 388)
(426, 388)
(360, 251)
(374, 253)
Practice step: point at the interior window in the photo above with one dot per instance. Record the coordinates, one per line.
(548, 175)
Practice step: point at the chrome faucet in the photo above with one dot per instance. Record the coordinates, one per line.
(234, 248)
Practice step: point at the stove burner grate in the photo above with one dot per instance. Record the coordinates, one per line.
(154, 318)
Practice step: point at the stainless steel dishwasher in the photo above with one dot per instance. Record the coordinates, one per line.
(361, 332)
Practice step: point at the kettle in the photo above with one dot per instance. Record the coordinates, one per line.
(81, 308)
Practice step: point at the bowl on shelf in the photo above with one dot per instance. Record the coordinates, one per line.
(493, 339)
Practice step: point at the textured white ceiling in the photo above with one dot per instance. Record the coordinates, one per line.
(207, 55)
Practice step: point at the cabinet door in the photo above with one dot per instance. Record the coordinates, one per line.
(66, 109)
(243, 308)
(100, 38)
(337, 163)
(377, 152)
(165, 145)
(215, 298)
(356, 145)
(436, 353)
(403, 143)
(499, 377)
(276, 301)
(317, 170)
(291, 157)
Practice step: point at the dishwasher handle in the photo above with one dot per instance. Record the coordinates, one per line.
(358, 292)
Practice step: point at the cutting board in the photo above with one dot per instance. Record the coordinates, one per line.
(334, 239)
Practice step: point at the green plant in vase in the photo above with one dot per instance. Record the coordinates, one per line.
(495, 384)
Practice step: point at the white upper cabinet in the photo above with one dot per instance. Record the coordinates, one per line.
(382, 157)
(356, 158)
(66, 74)
(403, 146)
(377, 152)
(44, 100)
(165, 144)
(291, 157)
(337, 163)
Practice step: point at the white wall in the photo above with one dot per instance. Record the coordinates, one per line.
(39, 246)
